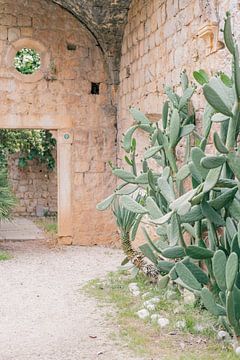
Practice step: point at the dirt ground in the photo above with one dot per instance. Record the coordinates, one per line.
(44, 315)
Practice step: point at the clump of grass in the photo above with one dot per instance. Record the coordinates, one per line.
(48, 224)
(149, 340)
(4, 256)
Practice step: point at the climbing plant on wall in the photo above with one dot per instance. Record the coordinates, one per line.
(30, 144)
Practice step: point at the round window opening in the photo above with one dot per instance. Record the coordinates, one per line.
(27, 61)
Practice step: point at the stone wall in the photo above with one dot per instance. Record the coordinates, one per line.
(163, 37)
(34, 186)
(61, 93)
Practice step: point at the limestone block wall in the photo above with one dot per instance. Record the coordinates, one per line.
(163, 37)
(34, 187)
(61, 93)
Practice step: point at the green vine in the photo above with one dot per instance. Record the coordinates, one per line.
(30, 144)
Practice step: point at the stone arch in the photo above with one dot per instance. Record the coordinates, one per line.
(106, 21)
(62, 101)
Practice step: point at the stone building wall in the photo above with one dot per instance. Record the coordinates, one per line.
(34, 187)
(74, 61)
(163, 37)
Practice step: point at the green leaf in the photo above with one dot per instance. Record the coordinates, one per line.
(212, 179)
(231, 270)
(147, 251)
(174, 252)
(219, 144)
(176, 204)
(126, 190)
(103, 205)
(226, 80)
(198, 273)
(152, 151)
(162, 220)
(228, 37)
(174, 128)
(127, 140)
(211, 214)
(188, 93)
(172, 96)
(187, 277)
(212, 162)
(198, 253)
(166, 189)
(197, 155)
(139, 116)
(131, 205)
(165, 114)
(209, 302)
(219, 262)
(153, 209)
(165, 266)
(207, 119)
(183, 172)
(163, 282)
(216, 101)
(174, 235)
(186, 130)
(234, 163)
(219, 118)
(200, 76)
(124, 175)
(223, 199)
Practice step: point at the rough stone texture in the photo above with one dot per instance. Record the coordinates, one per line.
(160, 40)
(105, 19)
(34, 186)
(68, 95)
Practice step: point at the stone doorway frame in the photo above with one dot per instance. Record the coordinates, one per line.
(64, 138)
(59, 123)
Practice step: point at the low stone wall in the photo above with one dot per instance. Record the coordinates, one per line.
(35, 188)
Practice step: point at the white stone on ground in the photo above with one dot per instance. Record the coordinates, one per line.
(188, 297)
(134, 289)
(223, 335)
(143, 314)
(145, 295)
(155, 317)
(199, 328)
(237, 351)
(181, 324)
(163, 322)
(155, 300)
(150, 306)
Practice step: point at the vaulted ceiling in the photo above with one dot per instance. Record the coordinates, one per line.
(105, 19)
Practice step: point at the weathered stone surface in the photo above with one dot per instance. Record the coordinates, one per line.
(61, 96)
(35, 187)
(106, 20)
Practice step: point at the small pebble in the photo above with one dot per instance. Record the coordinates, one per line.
(163, 322)
(150, 307)
(155, 317)
(143, 314)
(181, 324)
(188, 297)
(170, 295)
(199, 328)
(155, 300)
(135, 293)
(237, 351)
(145, 295)
(223, 335)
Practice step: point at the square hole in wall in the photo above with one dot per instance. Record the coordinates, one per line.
(95, 88)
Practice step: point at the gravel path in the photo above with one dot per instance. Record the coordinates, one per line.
(43, 313)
